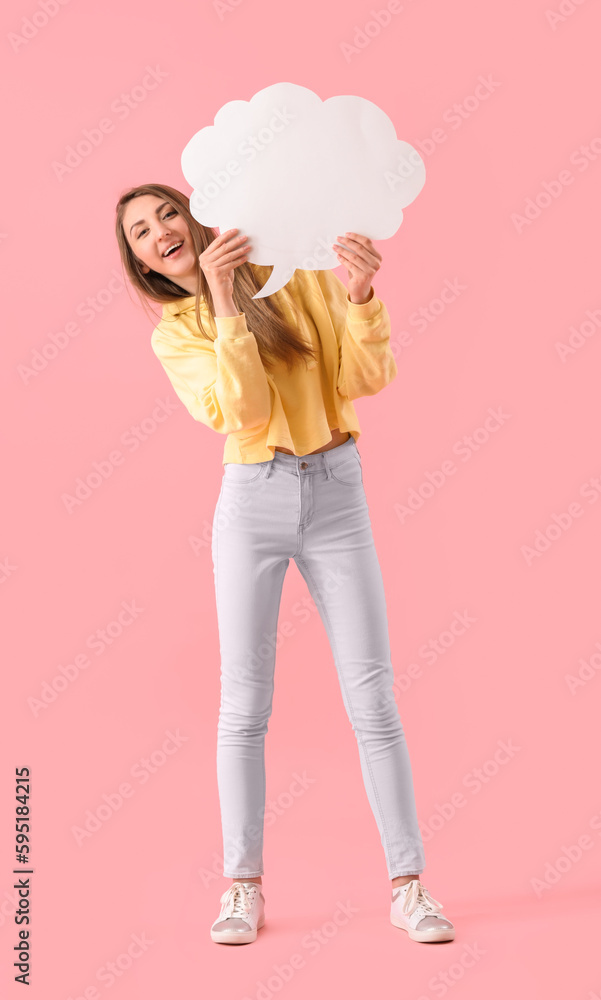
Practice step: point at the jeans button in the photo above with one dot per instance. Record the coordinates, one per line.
(304, 465)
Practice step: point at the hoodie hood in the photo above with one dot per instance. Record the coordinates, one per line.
(183, 305)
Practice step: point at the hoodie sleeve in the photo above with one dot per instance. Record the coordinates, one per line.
(366, 361)
(222, 383)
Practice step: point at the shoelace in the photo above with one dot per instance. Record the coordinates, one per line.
(238, 899)
(418, 896)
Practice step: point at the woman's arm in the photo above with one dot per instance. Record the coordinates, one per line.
(366, 362)
(222, 383)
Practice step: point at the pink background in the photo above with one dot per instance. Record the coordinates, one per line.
(152, 868)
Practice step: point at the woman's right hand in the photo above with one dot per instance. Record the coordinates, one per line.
(219, 260)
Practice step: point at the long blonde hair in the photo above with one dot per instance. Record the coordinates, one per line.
(277, 339)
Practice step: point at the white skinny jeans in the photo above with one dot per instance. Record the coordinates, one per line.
(313, 509)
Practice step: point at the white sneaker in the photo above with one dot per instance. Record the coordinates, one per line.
(414, 910)
(242, 914)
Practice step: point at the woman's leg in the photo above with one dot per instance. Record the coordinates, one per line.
(337, 558)
(249, 569)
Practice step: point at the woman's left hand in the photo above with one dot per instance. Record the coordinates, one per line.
(361, 260)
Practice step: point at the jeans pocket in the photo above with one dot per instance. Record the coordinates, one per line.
(241, 473)
(349, 473)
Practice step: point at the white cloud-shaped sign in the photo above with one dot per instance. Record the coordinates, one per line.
(292, 172)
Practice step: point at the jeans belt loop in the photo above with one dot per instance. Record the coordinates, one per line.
(327, 465)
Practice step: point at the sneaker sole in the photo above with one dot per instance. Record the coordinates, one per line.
(236, 937)
(448, 934)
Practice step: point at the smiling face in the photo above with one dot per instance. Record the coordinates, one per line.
(153, 225)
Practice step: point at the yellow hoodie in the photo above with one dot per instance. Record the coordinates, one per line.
(223, 384)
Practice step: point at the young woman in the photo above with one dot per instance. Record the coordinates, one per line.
(277, 375)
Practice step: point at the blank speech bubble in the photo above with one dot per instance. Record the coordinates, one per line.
(291, 172)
